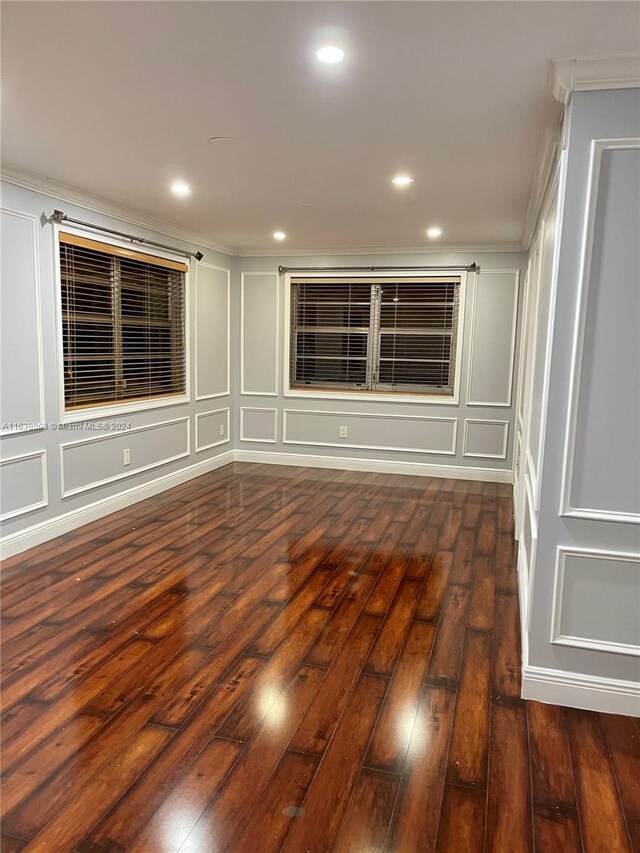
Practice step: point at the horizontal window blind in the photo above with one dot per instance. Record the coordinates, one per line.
(122, 325)
(375, 334)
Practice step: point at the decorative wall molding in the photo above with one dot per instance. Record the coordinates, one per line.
(505, 439)
(226, 440)
(38, 318)
(96, 204)
(323, 413)
(274, 412)
(226, 393)
(558, 638)
(382, 466)
(42, 454)
(243, 389)
(503, 404)
(66, 493)
(46, 530)
(568, 510)
(587, 73)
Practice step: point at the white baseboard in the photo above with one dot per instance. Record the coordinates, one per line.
(45, 530)
(589, 692)
(377, 466)
(561, 687)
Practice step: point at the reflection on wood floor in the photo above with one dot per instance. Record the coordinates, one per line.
(273, 658)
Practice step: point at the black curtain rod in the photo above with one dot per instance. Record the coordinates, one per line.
(59, 216)
(468, 268)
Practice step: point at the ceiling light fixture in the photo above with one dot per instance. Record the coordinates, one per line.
(330, 55)
(279, 235)
(180, 189)
(402, 180)
(434, 232)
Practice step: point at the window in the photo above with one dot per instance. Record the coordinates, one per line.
(381, 335)
(122, 324)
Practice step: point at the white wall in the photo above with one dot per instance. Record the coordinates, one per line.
(54, 478)
(578, 474)
(472, 438)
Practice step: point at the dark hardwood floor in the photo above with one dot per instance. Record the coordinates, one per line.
(273, 658)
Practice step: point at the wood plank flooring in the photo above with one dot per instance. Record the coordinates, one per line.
(272, 658)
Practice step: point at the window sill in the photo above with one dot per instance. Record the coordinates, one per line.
(423, 399)
(96, 413)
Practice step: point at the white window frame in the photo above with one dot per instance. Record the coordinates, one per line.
(106, 411)
(380, 396)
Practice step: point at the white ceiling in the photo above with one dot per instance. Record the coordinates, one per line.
(119, 98)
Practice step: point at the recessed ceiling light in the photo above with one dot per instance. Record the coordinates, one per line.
(402, 180)
(330, 55)
(434, 232)
(279, 235)
(180, 189)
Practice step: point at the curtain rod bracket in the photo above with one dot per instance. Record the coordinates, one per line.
(466, 267)
(58, 217)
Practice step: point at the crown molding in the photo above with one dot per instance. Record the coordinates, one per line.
(63, 192)
(587, 73)
(270, 252)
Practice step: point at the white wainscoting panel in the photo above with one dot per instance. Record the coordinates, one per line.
(486, 439)
(21, 384)
(368, 431)
(212, 325)
(94, 462)
(257, 424)
(23, 484)
(494, 314)
(259, 333)
(602, 446)
(595, 602)
(212, 429)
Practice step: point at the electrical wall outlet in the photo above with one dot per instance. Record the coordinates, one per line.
(221, 429)
(343, 432)
(126, 456)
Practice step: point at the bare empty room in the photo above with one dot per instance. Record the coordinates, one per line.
(320, 414)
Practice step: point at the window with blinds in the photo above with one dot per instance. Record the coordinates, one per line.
(122, 324)
(375, 334)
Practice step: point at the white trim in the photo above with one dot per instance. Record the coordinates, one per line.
(226, 393)
(96, 204)
(382, 466)
(524, 599)
(577, 351)
(577, 690)
(544, 175)
(505, 439)
(243, 437)
(45, 490)
(38, 305)
(322, 413)
(66, 493)
(243, 390)
(199, 448)
(472, 334)
(557, 637)
(46, 530)
(378, 397)
(120, 408)
(588, 73)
